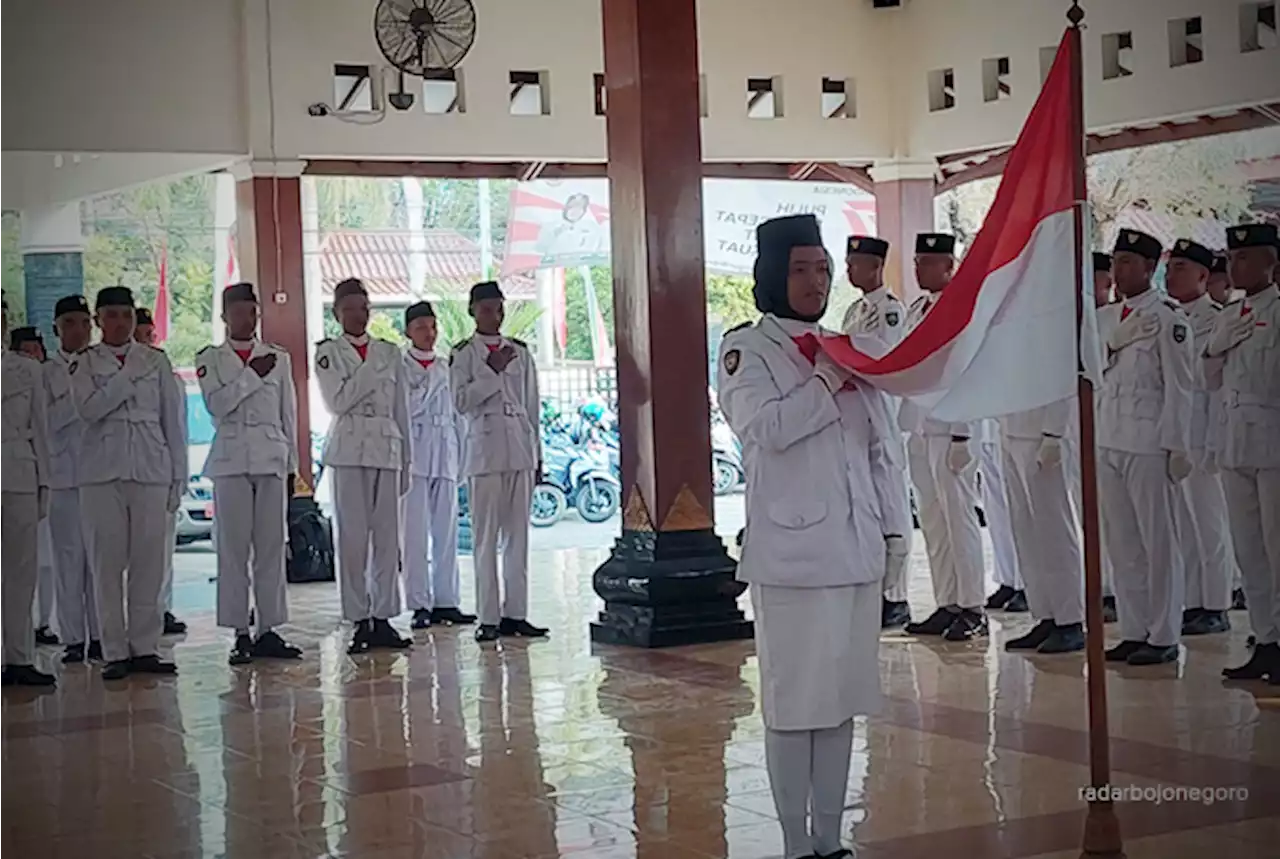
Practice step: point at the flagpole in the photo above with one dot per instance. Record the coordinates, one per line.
(1101, 827)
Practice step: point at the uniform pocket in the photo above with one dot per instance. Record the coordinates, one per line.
(797, 516)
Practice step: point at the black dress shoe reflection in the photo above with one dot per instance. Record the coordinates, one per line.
(151, 664)
(421, 619)
(935, 624)
(486, 632)
(452, 615)
(25, 675)
(520, 628)
(270, 645)
(1000, 597)
(173, 626)
(1033, 639)
(45, 636)
(360, 637)
(241, 651)
(1122, 651)
(1264, 661)
(117, 670)
(74, 654)
(1149, 654)
(969, 624)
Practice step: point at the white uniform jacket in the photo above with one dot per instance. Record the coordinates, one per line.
(1058, 419)
(1248, 376)
(133, 415)
(877, 322)
(824, 472)
(1146, 401)
(911, 417)
(65, 427)
(500, 410)
(1201, 313)
(369, 402)
(24, 461)
(433, 420)
(255, 418)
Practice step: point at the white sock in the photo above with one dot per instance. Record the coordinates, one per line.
(829, 778)
(788, 755)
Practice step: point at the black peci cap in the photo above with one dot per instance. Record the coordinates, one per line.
(70, 304)
(25, 334)
(1219, 264)
(867, 245)
(1252, 236)
(113, 296)
(1187, 249)
(239, 292)
(1137, 242)
(936, 243)
(486, 289)
(142, 316)
(350, 286)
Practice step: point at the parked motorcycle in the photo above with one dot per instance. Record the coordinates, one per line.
(575, 476)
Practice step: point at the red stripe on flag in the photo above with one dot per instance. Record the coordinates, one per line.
(1036, 185)
(522, 231)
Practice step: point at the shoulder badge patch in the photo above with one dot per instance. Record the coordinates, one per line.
(731, 360)
(201, 371)
(891, 318)
(323, 362)
(1179, 332)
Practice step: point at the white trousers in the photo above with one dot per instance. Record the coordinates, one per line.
(19, 526)
(250, 518)
(77, 607)
(1140, 502)
(47, 578)
(1253, 500)
(1046, 531)
(896, 583)
(429, 526)
(995, 506)
(947, 505)
(1203, 531)
(500, 516)
(127, 526)
(367, 521)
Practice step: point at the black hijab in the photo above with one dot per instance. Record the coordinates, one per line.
(774, 240)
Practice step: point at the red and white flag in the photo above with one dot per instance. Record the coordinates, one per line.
(160, 313)
(1002, 337)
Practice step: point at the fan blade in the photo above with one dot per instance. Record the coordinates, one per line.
(453, 12)
(441, 35)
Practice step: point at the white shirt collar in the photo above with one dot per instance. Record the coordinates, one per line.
(417, 353)
(242, 345)
(795, 327)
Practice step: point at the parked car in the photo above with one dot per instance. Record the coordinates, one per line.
(195, 511)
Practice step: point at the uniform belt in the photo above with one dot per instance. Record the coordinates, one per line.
(1232, 399)
(512, 410)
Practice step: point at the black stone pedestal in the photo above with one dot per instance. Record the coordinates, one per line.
(662, 589)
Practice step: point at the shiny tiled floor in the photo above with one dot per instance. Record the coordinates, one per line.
(557, 748)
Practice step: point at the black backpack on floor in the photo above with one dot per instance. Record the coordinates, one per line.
(310, 555)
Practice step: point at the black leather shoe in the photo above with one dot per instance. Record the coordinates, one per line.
(1000, 597)
(1109, 613)
(360, 638)
(151, 664)
(1149, 654)
(1192, 621)
(520, 629)
(935, 624)
(421, 619)
(1017, 603)
(25, 675)
(1207, 623)
(383, 637)
(1264, 661)
(73, 655)
(969, 624)
(452, 615)
(1122, 651)
(842, 853)
(1068, 638)
(241, 651)
(45, 637)
(117, 670)
(894, 614)
(1238, 601)
(173, 626)
(486, 632)
(95, 650)
(270, 645)
(1038, 635)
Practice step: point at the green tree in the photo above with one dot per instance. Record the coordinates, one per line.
(577, 319)
(729, 299)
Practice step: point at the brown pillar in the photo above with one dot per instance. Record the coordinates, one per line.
(669, 579)
(904, 207)
(269, 241)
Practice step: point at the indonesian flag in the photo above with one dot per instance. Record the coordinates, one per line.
(1002, 337)
(160, 313)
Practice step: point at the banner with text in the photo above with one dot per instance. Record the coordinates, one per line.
(565, 223)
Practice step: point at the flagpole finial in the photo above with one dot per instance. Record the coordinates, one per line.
(1075, 14)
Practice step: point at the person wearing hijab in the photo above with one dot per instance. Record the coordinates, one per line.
(824, 484)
